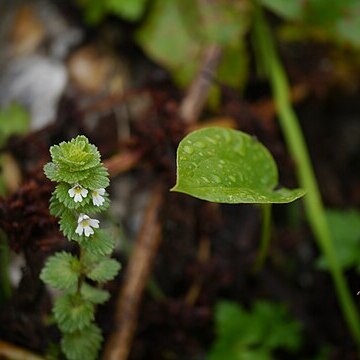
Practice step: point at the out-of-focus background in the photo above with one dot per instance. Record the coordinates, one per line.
(135, 76)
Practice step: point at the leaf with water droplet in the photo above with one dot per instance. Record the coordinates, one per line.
(232, 167)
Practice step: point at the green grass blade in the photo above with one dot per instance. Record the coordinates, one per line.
(297, 147)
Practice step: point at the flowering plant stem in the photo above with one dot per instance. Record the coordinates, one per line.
(80, 192)
(296, 144)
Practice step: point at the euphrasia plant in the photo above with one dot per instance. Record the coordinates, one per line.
(79, 195)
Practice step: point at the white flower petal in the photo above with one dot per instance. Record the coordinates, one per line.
(94, 223)
(88, 231)
(81, 218)
(79, 230)
(86, 225)
(77, 192)
(98, 200)
(100, 191)
(78, 198)
(84, 192)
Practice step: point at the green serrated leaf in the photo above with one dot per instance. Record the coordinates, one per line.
(94, 295)
(228, 166)
(72, 312)
(99, 178)
(89, 259)
(228, 316)
(52, 171)
(68, 224)
(83, 344)
(278, 329)
(75, 155)
(58, 173)
(74, 177)
(61, 271)
(253, 334)
(56, 207)
(105, 270)
(101, 243)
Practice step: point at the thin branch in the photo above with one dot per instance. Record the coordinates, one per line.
(12, 352)
(197, 94)
(122, 162)
(136, 278)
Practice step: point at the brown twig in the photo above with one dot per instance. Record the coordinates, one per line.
(136, 278)
(122, 162)
(12, 352)
(197, 94)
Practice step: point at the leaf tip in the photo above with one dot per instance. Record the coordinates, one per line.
(175, 188)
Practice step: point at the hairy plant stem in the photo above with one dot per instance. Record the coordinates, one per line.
(297, 146)
(265, 237)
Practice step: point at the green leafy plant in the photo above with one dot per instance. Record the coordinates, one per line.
(80, 192)
(296, 143)
(176, 30)
(228, 166)
(337, 20)
(255, 334)
(14, 120)
(344, 226)
(95, 10)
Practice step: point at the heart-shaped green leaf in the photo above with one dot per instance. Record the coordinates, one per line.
(228, 166)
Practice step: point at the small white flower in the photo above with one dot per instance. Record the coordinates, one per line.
(86, 225)
(78, 193)
(97, 197)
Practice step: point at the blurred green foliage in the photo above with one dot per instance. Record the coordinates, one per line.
(14, 120)
(176, 32)
(95, 10)
(337, 20)
(253, 335)
(345, 228)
